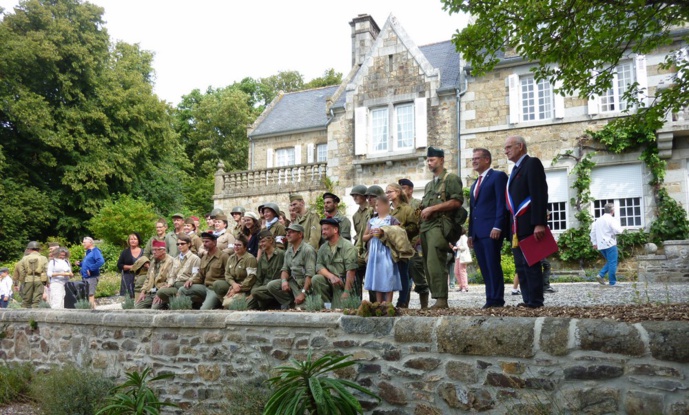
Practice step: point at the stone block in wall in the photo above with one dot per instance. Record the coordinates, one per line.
(461, 371)
(391, 393)
(459, 397)
(414, 330)
(610, 337)
(668, 340)
(638, 402)
(555, 336)
(593, 372)
(667, 385)
(482, 336)
(679, 408)
(593, 401)
(645, 369)
(378, 326)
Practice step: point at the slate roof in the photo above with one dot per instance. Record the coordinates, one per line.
(296, 111)
(444, 56)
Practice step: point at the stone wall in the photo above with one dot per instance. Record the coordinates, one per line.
(418, 365)
(672, 266)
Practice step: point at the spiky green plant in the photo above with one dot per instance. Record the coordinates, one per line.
(82, 304)
(43, 304)
(239, 304)
(313, 302)
(306, 388)
(128, 303)
(135, 397)
(350, 302)
(182, 302)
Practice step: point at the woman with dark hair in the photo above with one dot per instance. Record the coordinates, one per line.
(252, 226)
(127, 258)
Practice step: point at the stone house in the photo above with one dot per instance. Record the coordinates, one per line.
(400, 98)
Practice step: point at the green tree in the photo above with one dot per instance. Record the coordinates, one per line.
(330, 77)
(285, 81)
(579, 42)
(118, 218)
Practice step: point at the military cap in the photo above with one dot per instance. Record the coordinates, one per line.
(221, 217)
(435, 152)
(194, 217)
(375, 190)
(406, 182)
(264, 234)
(330, 221)
(295, 227)
(329, 195)
(33, 245)
(272, 206)
(359, 189)
(295, 196)
(139, 263)
(189, 221)
(178, 215)
(159, 244)
(215, 212)
(208, 235)
(238, 209)
(251, 215)
(4, 269)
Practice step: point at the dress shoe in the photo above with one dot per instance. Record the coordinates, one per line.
(528, 305)
(516, 292)
(549, 290)
(522, 305)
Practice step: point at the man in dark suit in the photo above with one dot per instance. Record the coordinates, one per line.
(487, 224)
(527, 202)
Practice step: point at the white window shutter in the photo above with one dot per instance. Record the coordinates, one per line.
(269, 158)
(309, 153)
(515, 108)
(421, 122)
(559, 101)
(642, 79)
(297, 154)
(594, 100)
(360, 130)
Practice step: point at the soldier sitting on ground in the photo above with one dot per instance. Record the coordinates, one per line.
(158, 274)
(300, 264)
(269, 268)
(336, 264)
(185, 265)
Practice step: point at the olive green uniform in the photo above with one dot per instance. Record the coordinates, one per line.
(279, 232)
(311, 222)
(338, 260)
(415, 204)
(183, 270)
(240, 270)
(435, 247)
(196, 243)
(157, 277)
(31, 272)
(298, 264)
(268, 270)
(360, 221)
(408, 219)
(211, 269)
(345, 226)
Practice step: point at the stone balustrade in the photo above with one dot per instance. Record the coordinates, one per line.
(418, 365)
(672, 266)
(287, 179)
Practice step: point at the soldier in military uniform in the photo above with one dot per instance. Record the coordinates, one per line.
(161, 235)
(211, 216)
(269, 269)
(442, 196)
(330, 205)
(185, 265)
(336, 264)
(211, 269)
(237, 214)
(360, 220)
(308, 219)
(158, 274)
(271, 213)
(299, 266)
(31, 273)
(190, 230)
(240, 274)
(140, 270)
(416, 265)
(225, 241)
(408, 187)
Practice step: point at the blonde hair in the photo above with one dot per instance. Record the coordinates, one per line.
(402, 196)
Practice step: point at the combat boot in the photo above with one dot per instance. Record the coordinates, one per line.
(440, 303)
(423, 299)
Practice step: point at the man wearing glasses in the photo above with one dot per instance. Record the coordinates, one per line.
(158, 274)
(185, 266)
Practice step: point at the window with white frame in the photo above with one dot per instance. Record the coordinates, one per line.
(623, 76)
(623, 186)
(537, 98)
(321, 153)
(397, 127)
(558, 195)
(284, 157)
(531, 100)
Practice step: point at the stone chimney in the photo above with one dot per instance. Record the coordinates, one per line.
(364, 33)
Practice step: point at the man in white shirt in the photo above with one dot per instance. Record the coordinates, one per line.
(604, 238)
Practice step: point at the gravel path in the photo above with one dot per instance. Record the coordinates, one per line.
(578, 294)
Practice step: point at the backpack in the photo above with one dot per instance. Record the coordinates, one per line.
(452, 221)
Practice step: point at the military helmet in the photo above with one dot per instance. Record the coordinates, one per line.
(238, 209)
(215, 212)
(272, 206)
(33, 245)
(375, 190)
(359, 189)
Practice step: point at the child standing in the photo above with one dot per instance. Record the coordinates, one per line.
(382, 274)
(5, 287)
(463, 257)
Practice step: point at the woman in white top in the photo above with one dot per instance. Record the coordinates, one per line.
(59, 272)
(5, 287)
(463, 257)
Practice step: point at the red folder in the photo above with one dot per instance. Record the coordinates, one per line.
(534, 250)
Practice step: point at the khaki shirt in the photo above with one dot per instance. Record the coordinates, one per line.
(32, 268)
(342, 260)
(300, 264)
(269, 268)
(196, 243)
(212, 268)
(432, 196)
(158, 273)
(311, 222)
(345, 226)
(236, 230)
(360, 220)
(224, 242)
(183, 270)
(279, 232)
(415, 203)
(242, 271)
(408, 219)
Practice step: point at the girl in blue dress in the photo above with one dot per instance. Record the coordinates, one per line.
(382, 274)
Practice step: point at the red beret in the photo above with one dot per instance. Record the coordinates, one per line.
(159, 244)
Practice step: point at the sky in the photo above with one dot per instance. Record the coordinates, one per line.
(215, 43)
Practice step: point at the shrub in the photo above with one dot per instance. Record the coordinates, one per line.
(237, 304)
(182, 302)
(240, 397)
(82, 304)
(351, 302)
(15, 379)
(43, 304)
(508, 268)
(120, 217)
(108, 285)
(313, 303)
(304, 388)
(134, 396)
(128, 303)
(70, 391)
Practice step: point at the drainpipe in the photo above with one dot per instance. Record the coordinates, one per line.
(251, 160)
(459, 132)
